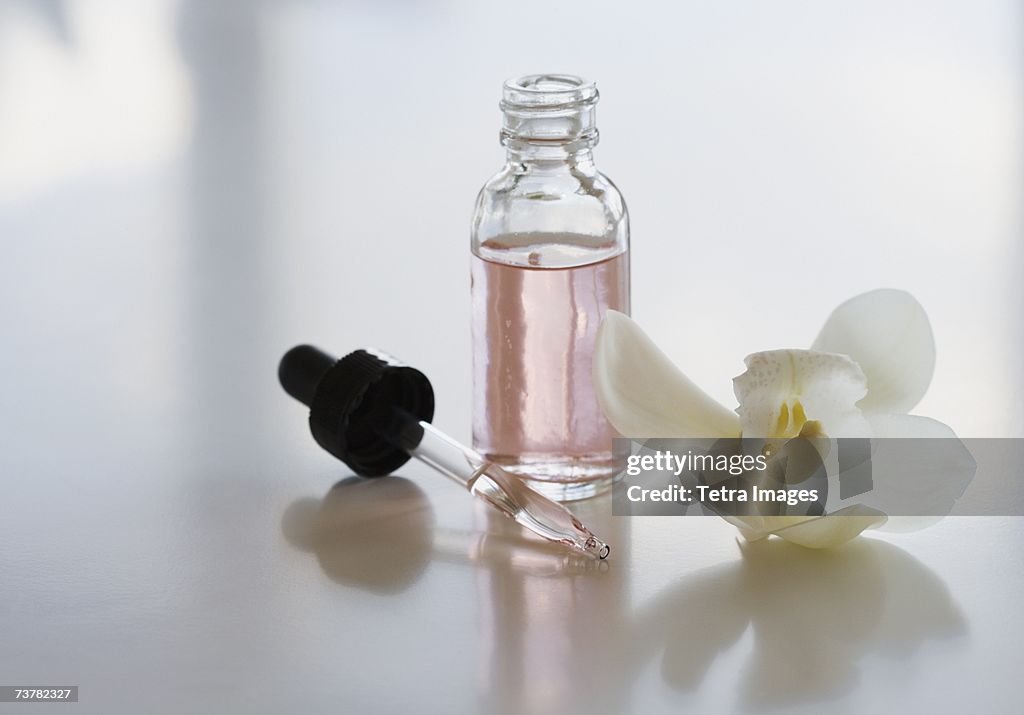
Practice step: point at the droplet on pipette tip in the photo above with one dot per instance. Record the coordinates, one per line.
(598, 548)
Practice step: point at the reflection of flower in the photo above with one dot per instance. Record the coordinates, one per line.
(814, 619)
(870, 364)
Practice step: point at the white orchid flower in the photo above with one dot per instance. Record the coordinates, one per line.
(869, 366)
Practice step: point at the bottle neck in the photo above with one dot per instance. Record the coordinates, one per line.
(548, 155)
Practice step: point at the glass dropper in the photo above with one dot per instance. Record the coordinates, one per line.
(373, 412)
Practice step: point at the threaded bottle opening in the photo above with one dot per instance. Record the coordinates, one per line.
(549, 109)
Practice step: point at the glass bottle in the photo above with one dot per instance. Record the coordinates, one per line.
(550, 242)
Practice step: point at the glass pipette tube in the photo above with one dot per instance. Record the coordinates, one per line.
(503, 491)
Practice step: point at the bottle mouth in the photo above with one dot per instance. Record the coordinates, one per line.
(553, 110)
(548, 93)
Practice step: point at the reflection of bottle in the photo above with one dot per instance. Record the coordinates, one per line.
(558, 643)
(550, 257)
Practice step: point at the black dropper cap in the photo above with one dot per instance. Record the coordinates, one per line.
(356, 404)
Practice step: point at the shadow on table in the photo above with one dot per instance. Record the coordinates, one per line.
(380, 535)
(813, 614)
(561, 636)
(374, 534)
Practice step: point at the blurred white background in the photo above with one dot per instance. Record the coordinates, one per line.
(276, 160)
(188, 188)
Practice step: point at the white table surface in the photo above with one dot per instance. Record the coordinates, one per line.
(188, 189)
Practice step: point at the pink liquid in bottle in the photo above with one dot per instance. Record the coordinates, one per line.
(535, 320)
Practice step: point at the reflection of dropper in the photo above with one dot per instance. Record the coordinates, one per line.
(373, 413)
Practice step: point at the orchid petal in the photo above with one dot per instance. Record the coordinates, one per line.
(755, 527)
(887, 333)
(833, 529)
(907, 427)
(935, 479)
(784, 390)
(812, 532)
(644, 395)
